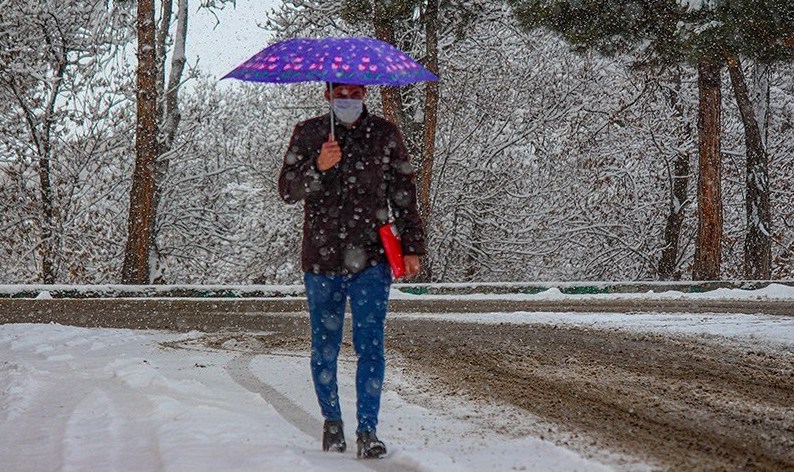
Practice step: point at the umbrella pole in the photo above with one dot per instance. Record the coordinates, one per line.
(331, 111)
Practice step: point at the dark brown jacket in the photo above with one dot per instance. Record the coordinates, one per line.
(345, 205)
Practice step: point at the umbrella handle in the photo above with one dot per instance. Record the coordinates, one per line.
(331, 111)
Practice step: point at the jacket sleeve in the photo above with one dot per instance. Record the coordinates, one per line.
(299, 176)
(402, 197)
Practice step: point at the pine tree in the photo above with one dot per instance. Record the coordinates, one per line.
(708, 33)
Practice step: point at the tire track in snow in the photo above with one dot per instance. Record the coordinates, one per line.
(239, 369)
(62, 424)
(102, 416)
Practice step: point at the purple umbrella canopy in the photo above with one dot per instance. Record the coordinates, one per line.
(363, 61)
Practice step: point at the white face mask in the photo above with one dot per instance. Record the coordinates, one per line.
(347, 110)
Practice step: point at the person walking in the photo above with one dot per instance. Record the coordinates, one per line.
(351, 183)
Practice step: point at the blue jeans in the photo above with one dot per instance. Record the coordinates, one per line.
(368, 291)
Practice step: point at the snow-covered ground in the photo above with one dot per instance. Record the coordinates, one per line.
(74, 399)
(77, 399)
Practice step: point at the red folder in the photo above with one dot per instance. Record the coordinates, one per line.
(394, 251)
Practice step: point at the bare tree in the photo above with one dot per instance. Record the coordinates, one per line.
(46, 46)
(679, 175)
(158, 122)
(757, 245)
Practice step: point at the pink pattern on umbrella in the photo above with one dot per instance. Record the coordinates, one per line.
(350, 60)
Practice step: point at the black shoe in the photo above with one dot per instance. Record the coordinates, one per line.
(334, 436)
(369, 446)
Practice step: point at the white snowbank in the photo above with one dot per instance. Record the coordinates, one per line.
(551, 291)
(774, 331)
(772, 292)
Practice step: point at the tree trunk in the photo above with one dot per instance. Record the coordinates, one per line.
(679, 182)
(430, 123)
(675, 219)
(161, 41)
(390, 96)
(757, 242)
(172, 117)
(760, 98)
(46, 248)
(708, 251)
(40, 129)
(166, 12)
(473, 266)
(168, 118)
(431, 110)
(45, 177)
(135, 269)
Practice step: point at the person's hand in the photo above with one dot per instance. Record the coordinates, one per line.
(412, 266)
(330, 155)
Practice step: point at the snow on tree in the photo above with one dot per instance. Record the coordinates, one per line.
(53, 57)
(548, 165)
(707, 33)
(157, 123)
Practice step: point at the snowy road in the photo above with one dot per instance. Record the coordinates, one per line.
(209, 314)
(76, 399)
(679, 391)
(477, 391)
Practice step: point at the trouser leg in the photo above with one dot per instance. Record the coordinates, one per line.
(326, 296)
(369, 295)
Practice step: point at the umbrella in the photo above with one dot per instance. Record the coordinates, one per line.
(362, 61)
